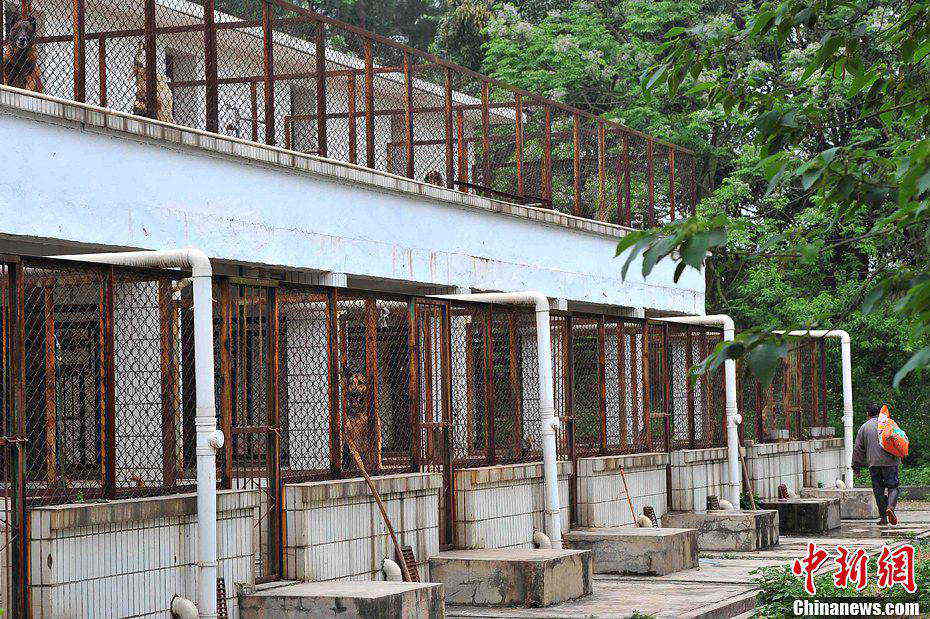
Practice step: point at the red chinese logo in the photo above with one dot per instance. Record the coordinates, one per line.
(808, 565)
(851, 569)
(897, 567)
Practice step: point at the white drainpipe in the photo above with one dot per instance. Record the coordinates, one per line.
(209, 439)
(733, 417)
(846, 371)
(549, 422)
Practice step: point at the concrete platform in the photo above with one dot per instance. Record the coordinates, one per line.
(797, 516)
(513, 576)
(347, 598)
(744, 530)
(637, 550)
(855, 503)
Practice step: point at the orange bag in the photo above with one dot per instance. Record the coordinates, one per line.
(892, 437)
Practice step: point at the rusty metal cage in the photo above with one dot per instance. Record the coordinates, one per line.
(274, 72)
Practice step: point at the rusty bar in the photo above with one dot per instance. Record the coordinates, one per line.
(108, 444)
(627, 199)
(211, 96)
(447, 117)
(689, 386)
(602, 381)
(369, 108)
(485, 135)
(601, 172)
(414, 385)
(576, 164)
(447, 528)
(671, 183)
(647, 386)
(518, 138)
(19, 517)
(651, 216)
(636, 392)
(332, 363)
(621, 383)
(254, 110)
(150, 59)
(408, 115)
(50, 386)
(273, 437)
(320, 59)
(489, 387)
(102, 70)
(462, 147)
(568, 376)
(168, 383)
(546, 159)
(353, 132)
(470, 385)
(667, 378)
(268, 67)
(371, 368)
(514, 364)
(80, 63)
(225, 380)
(823, 383)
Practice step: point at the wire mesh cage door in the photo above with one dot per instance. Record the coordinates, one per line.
(658, 386)
(12, 509)
(251, 365)
(433, 378)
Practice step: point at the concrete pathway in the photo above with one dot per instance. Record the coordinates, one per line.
(722, 585)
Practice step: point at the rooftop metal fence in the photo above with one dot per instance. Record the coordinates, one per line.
(273, 72)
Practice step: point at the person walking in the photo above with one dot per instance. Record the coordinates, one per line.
(883, 466)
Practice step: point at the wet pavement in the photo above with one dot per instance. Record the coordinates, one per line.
(722, 585)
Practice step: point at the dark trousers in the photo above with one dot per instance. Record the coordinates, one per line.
(885, 487)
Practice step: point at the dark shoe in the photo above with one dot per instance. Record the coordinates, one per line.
(891, 516)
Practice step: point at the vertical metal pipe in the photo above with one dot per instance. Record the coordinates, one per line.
(408, 113)
(150, 60)
(102, 69)
(489, 387)
(689, 387)
(169, 390)
(268, 65)
(627, 200)
(671, 183)
(651, 215)
(211, 91)
(253, 101)
(576, 163)
(332, 364)
(108, 386)
(80, 64)
(462, 147)
(602, 382)
(447, 117)
(485, 135)
(320, 58)
(353, 119)
(369, 108)
(546, 171)
(518, 138)
(601, 172)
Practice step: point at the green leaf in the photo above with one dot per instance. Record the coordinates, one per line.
(761, 23)
(872, 299)
(679, 269)
(765, 358)
(918, 360)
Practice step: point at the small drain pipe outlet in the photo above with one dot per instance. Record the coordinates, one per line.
(548, 421)
(183, 608)
(541, 540)
(209, 439)
(391, 571)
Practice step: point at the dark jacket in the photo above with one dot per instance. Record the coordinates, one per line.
(868, 450)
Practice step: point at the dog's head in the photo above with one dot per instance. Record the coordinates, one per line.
(23, 33)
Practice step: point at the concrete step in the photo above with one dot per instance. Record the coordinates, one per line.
(813, 516)
(637, 550)
(513, 576)
(344, 599)
(855, 503)
(742, 530)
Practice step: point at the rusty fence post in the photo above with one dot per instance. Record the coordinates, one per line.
(408, 113)
(518, 139)
(485, 135)
(601, 171)
(211, 89)
(576, 164)
(80, 64)
(651, 214)
(546, 159)
(671, 183)
(447, 118)
(268, 66)
(353, 118)
(369, 108)
(322, 142)
(150, 58)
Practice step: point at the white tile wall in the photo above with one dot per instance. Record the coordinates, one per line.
(335, 530)
(773, 464)
(696, 474)
(602, 497)
(823, 462)
(95, 561)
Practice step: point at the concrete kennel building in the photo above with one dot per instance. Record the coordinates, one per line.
(338, 181)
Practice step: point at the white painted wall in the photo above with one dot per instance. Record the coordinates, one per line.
(773, 464)
(97, 186)
(823, 462)
(603, 497)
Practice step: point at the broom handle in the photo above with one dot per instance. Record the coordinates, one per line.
(374, 493)
(752, 494)
(628, 499)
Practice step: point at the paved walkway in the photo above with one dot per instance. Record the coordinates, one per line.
(722, 585)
